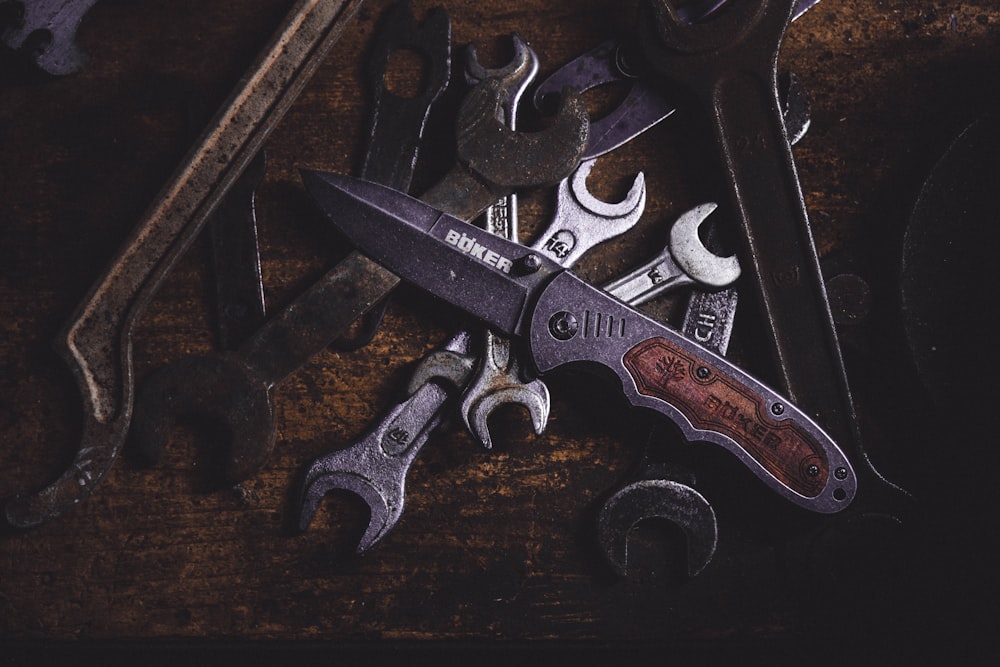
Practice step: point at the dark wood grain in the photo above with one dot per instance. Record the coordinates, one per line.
(493, 545)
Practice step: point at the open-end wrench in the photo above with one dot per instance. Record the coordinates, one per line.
(96, 343)
(237, 388)
(726, 68)
(686, 261)
(501, 376)
(374, 468)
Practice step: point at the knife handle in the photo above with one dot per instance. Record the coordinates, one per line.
(708, 397)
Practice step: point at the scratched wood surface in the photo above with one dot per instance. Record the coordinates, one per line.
(493, 545)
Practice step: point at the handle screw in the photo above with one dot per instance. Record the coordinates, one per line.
(778, 409)
(840, 473)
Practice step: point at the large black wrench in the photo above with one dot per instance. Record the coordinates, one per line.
(96, 343)
(237, 388)
(726, 70)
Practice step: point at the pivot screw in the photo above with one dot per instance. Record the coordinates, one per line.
(812, 470)
(778, 409)
(528, 264)
(563, 325)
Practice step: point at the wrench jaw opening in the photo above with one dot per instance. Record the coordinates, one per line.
(384, 512)
(662, 499)
(224, 394)
(532, 396)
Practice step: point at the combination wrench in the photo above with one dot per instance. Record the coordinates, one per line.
(96, 343)
(236, 388)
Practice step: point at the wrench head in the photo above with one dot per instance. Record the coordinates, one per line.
(582, 221)
(511, 159)
(532, 396)
(720, 30)
(383, 514)
(454, 368)
(217, 387)
(516, 74)
(691, 254)
(624, 212)
(657, 499)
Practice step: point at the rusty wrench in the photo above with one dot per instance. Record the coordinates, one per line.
(96, 342)
(237, 387)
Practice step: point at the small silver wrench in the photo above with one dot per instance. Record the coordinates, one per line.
(685, 261)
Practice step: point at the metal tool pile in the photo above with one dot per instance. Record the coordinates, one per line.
(720, 61)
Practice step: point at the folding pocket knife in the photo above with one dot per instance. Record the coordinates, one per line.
(564, 320)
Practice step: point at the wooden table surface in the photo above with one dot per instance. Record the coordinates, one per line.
(494, 546)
